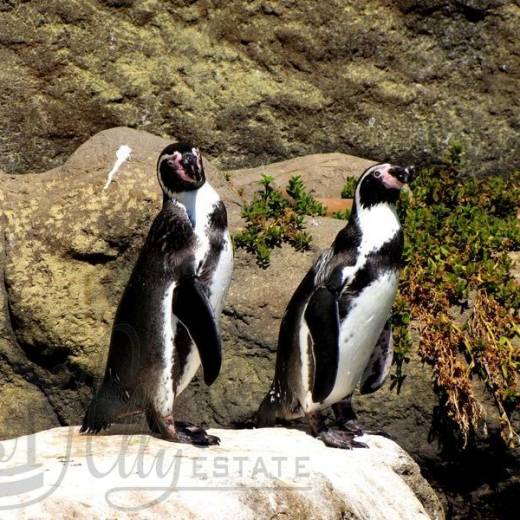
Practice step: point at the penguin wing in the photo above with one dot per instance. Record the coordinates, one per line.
(191, 306)
(380, 361)
(322, 319)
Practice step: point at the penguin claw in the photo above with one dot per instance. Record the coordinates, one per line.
(93, 430)
(381, 433)
(211, 440)
(183, 432)
(352, 426)
(340, 439)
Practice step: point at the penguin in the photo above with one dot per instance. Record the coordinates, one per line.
(336, 332)
(166, 324)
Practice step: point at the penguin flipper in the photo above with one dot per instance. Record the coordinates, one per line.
(192, 308)
(380, 361)
(322, 319)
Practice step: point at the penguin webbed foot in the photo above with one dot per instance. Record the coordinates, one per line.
(191, 434)
(95, 420)
(93, 430)
(354, 427)
(346, 420)
(180, 431)
(333, 437)
(336, 438)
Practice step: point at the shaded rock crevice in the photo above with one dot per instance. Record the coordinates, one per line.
(93, 258)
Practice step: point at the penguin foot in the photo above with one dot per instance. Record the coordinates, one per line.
(342, 439)
(183, 432)
(352, 426)
(191, 434)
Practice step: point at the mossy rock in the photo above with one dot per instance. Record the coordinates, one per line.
(259, 81)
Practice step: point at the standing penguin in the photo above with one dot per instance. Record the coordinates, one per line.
(166, 323)
(336, 331)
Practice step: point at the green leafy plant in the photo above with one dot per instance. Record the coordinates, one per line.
(458, 235)
(343, 214)
(272, 219)
(401, 319)
(349, 188)
(304, 202)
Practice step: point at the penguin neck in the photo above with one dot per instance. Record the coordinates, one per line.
(373, 225)
(198, 203)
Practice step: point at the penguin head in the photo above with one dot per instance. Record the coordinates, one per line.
(180, 169)
(382, 183)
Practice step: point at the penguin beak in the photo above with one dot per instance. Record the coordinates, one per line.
(404, 175)
(191, 165)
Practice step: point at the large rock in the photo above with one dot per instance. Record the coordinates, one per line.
(68, 249)
(253, 474)
(262, 80)
(322, 173)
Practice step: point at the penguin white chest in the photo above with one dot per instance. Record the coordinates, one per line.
(221, 278)
(218, 287)
(359, 332)
(200, 206)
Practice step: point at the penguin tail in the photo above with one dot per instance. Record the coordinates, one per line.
(98, 417)
(104, 408)
(270, 409)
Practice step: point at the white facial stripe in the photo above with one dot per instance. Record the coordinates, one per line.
(161, 183)
(388, 179)
(383, 168)
(163, 158)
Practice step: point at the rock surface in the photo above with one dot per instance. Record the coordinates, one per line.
(322, 173)
(256, 474)
(259, 81)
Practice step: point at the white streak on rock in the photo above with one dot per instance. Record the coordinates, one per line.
(122, 155)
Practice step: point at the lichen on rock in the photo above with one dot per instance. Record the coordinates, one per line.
(259, 81)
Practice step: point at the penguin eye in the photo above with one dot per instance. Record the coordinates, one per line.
(377, 174)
